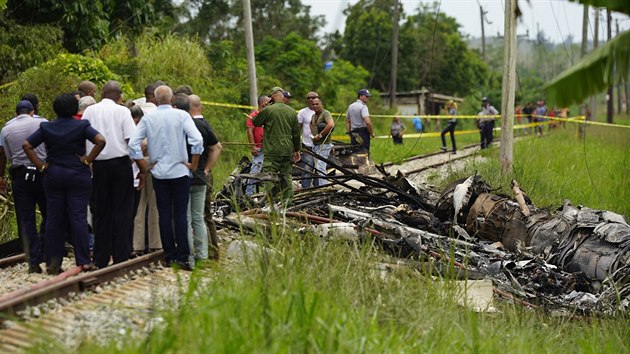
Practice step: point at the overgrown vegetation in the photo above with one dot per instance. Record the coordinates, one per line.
(590, 172)
(310, 295)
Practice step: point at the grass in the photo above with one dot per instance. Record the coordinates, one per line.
(329, 297)
(592, 171)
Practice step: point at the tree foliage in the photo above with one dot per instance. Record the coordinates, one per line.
(57, 76)
(367, 39)
(89, 23)
(296, 62)
(22, 47)
(172, 59)
(432, 52)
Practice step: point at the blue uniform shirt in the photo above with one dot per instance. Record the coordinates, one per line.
(65, 141)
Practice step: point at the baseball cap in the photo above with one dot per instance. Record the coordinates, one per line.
(24, 104)
(287, 94)
(485, 99)
(274, 90)
(364, 92)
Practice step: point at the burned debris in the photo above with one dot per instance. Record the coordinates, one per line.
(571, 259)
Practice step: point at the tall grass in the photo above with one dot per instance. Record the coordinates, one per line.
(591, 171)
(331, 297)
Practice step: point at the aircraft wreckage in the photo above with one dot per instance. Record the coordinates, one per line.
(574, 258)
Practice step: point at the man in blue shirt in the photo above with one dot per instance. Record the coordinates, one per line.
(166, 130)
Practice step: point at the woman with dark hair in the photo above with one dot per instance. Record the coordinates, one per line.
(67, 180)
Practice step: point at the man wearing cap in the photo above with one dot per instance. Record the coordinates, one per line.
(26, 181)
(486, 124)
(281, 144)
(358, 123)
(304, 117)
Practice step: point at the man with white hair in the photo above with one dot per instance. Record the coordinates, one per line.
(167, 130)
(84, 102)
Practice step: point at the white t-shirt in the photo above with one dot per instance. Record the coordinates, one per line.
(114, 122)
(304, 117)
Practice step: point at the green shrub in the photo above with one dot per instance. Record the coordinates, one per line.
(60, 75)
(174, 60)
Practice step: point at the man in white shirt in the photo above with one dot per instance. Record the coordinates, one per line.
(304, 118)
(112, 181)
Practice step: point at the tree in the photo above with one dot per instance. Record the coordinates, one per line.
(604, 67)
(22, 47)
(293, 60)
(432, 52)
(89, 23)
(210, 20)
(367, 40)
(215, 20)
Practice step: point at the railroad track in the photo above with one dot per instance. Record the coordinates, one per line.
(70, 282)
(461, 151)
(131, 307)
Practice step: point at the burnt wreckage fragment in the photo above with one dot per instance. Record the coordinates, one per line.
(575, 258)
(578, 240)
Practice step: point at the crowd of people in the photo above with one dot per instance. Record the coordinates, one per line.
(280, 137)
(143, 167)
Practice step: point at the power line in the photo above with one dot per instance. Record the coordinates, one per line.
(560, 33)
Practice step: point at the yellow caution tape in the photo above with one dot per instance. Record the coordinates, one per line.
(575, 119)
(227, 105)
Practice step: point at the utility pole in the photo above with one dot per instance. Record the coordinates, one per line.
(593, 103)
(584, 31)
(483, 13)
(394, 71)
(581, 127)
(251, 59)
(509, 83)
(609, 95)
(619, 84)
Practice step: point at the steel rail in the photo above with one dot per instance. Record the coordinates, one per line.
(65, 284)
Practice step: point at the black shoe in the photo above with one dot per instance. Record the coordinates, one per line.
(444, 148)
(34, 268)
(88, 267)
(180, 265)
(54, 270)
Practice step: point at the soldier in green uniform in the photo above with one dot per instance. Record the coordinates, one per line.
(281, 144)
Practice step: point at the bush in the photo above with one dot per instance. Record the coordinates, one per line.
(60, 75)
(176, 61)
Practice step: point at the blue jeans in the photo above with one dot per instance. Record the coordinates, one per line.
(307, 162)
(322, 150)
(197, 231)
(257, 164)
(171, 196)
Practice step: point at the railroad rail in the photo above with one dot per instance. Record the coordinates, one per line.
(424, 156)
(70, 281)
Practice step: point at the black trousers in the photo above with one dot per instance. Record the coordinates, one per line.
(112, 190)
(449, 128)
(486, 134)
(361, 136)
(28, 194)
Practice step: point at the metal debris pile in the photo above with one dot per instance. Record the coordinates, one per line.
(574, 259)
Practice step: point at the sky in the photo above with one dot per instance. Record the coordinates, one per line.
(556, 18)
